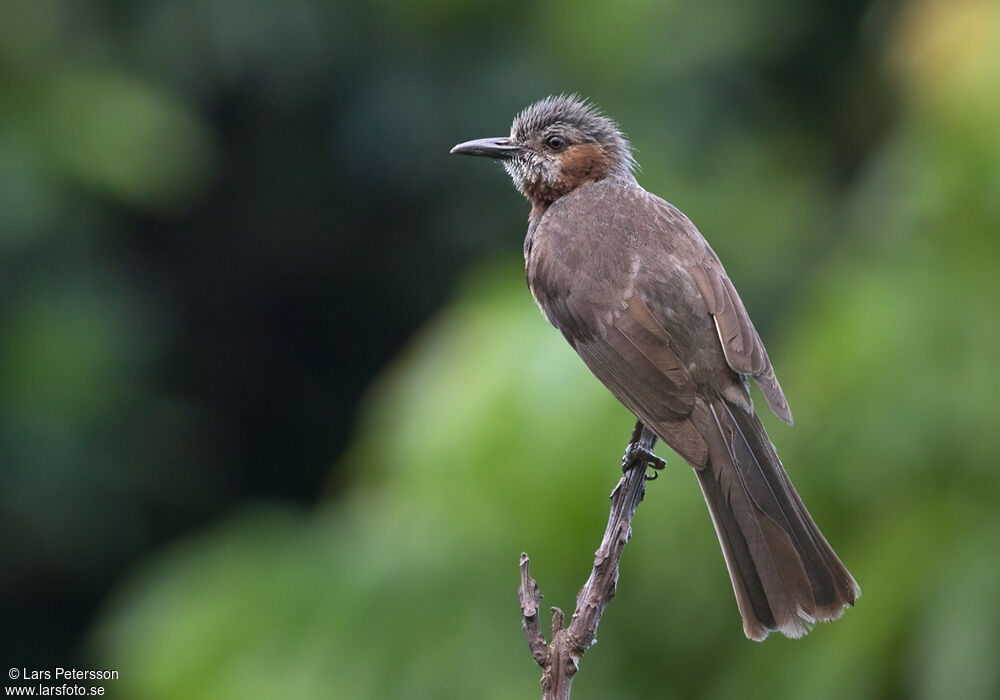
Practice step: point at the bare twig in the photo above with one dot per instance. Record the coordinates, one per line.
(560, 659)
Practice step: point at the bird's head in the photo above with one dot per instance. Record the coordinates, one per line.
(556, 145)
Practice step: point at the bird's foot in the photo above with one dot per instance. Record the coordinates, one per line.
(638, 455)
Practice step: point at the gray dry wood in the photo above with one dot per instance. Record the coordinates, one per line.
(560, 659)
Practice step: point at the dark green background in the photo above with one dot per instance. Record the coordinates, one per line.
(278, 415)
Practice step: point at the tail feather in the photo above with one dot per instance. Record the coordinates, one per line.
(784, 572)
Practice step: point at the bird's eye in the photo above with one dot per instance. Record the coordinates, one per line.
(556, 143)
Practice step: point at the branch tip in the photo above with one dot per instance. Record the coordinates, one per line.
(558, 621)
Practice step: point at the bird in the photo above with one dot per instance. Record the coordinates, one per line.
(640, 295)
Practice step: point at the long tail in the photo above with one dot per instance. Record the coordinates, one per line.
(785, 574)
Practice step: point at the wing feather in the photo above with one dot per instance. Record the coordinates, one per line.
(634, 344)
(742, 346)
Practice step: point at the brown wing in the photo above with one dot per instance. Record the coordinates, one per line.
(742, 346)
(623, 345)
(634, 359)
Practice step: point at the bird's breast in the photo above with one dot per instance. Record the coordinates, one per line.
(580, 270)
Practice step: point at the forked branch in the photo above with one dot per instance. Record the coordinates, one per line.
(560, 659)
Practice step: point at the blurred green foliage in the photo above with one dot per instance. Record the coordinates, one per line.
(842, 158)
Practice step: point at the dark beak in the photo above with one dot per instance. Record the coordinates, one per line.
(500, 148)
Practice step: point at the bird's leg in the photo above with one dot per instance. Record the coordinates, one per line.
(640, 451)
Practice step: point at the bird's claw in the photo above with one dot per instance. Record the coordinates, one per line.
(636, 454)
